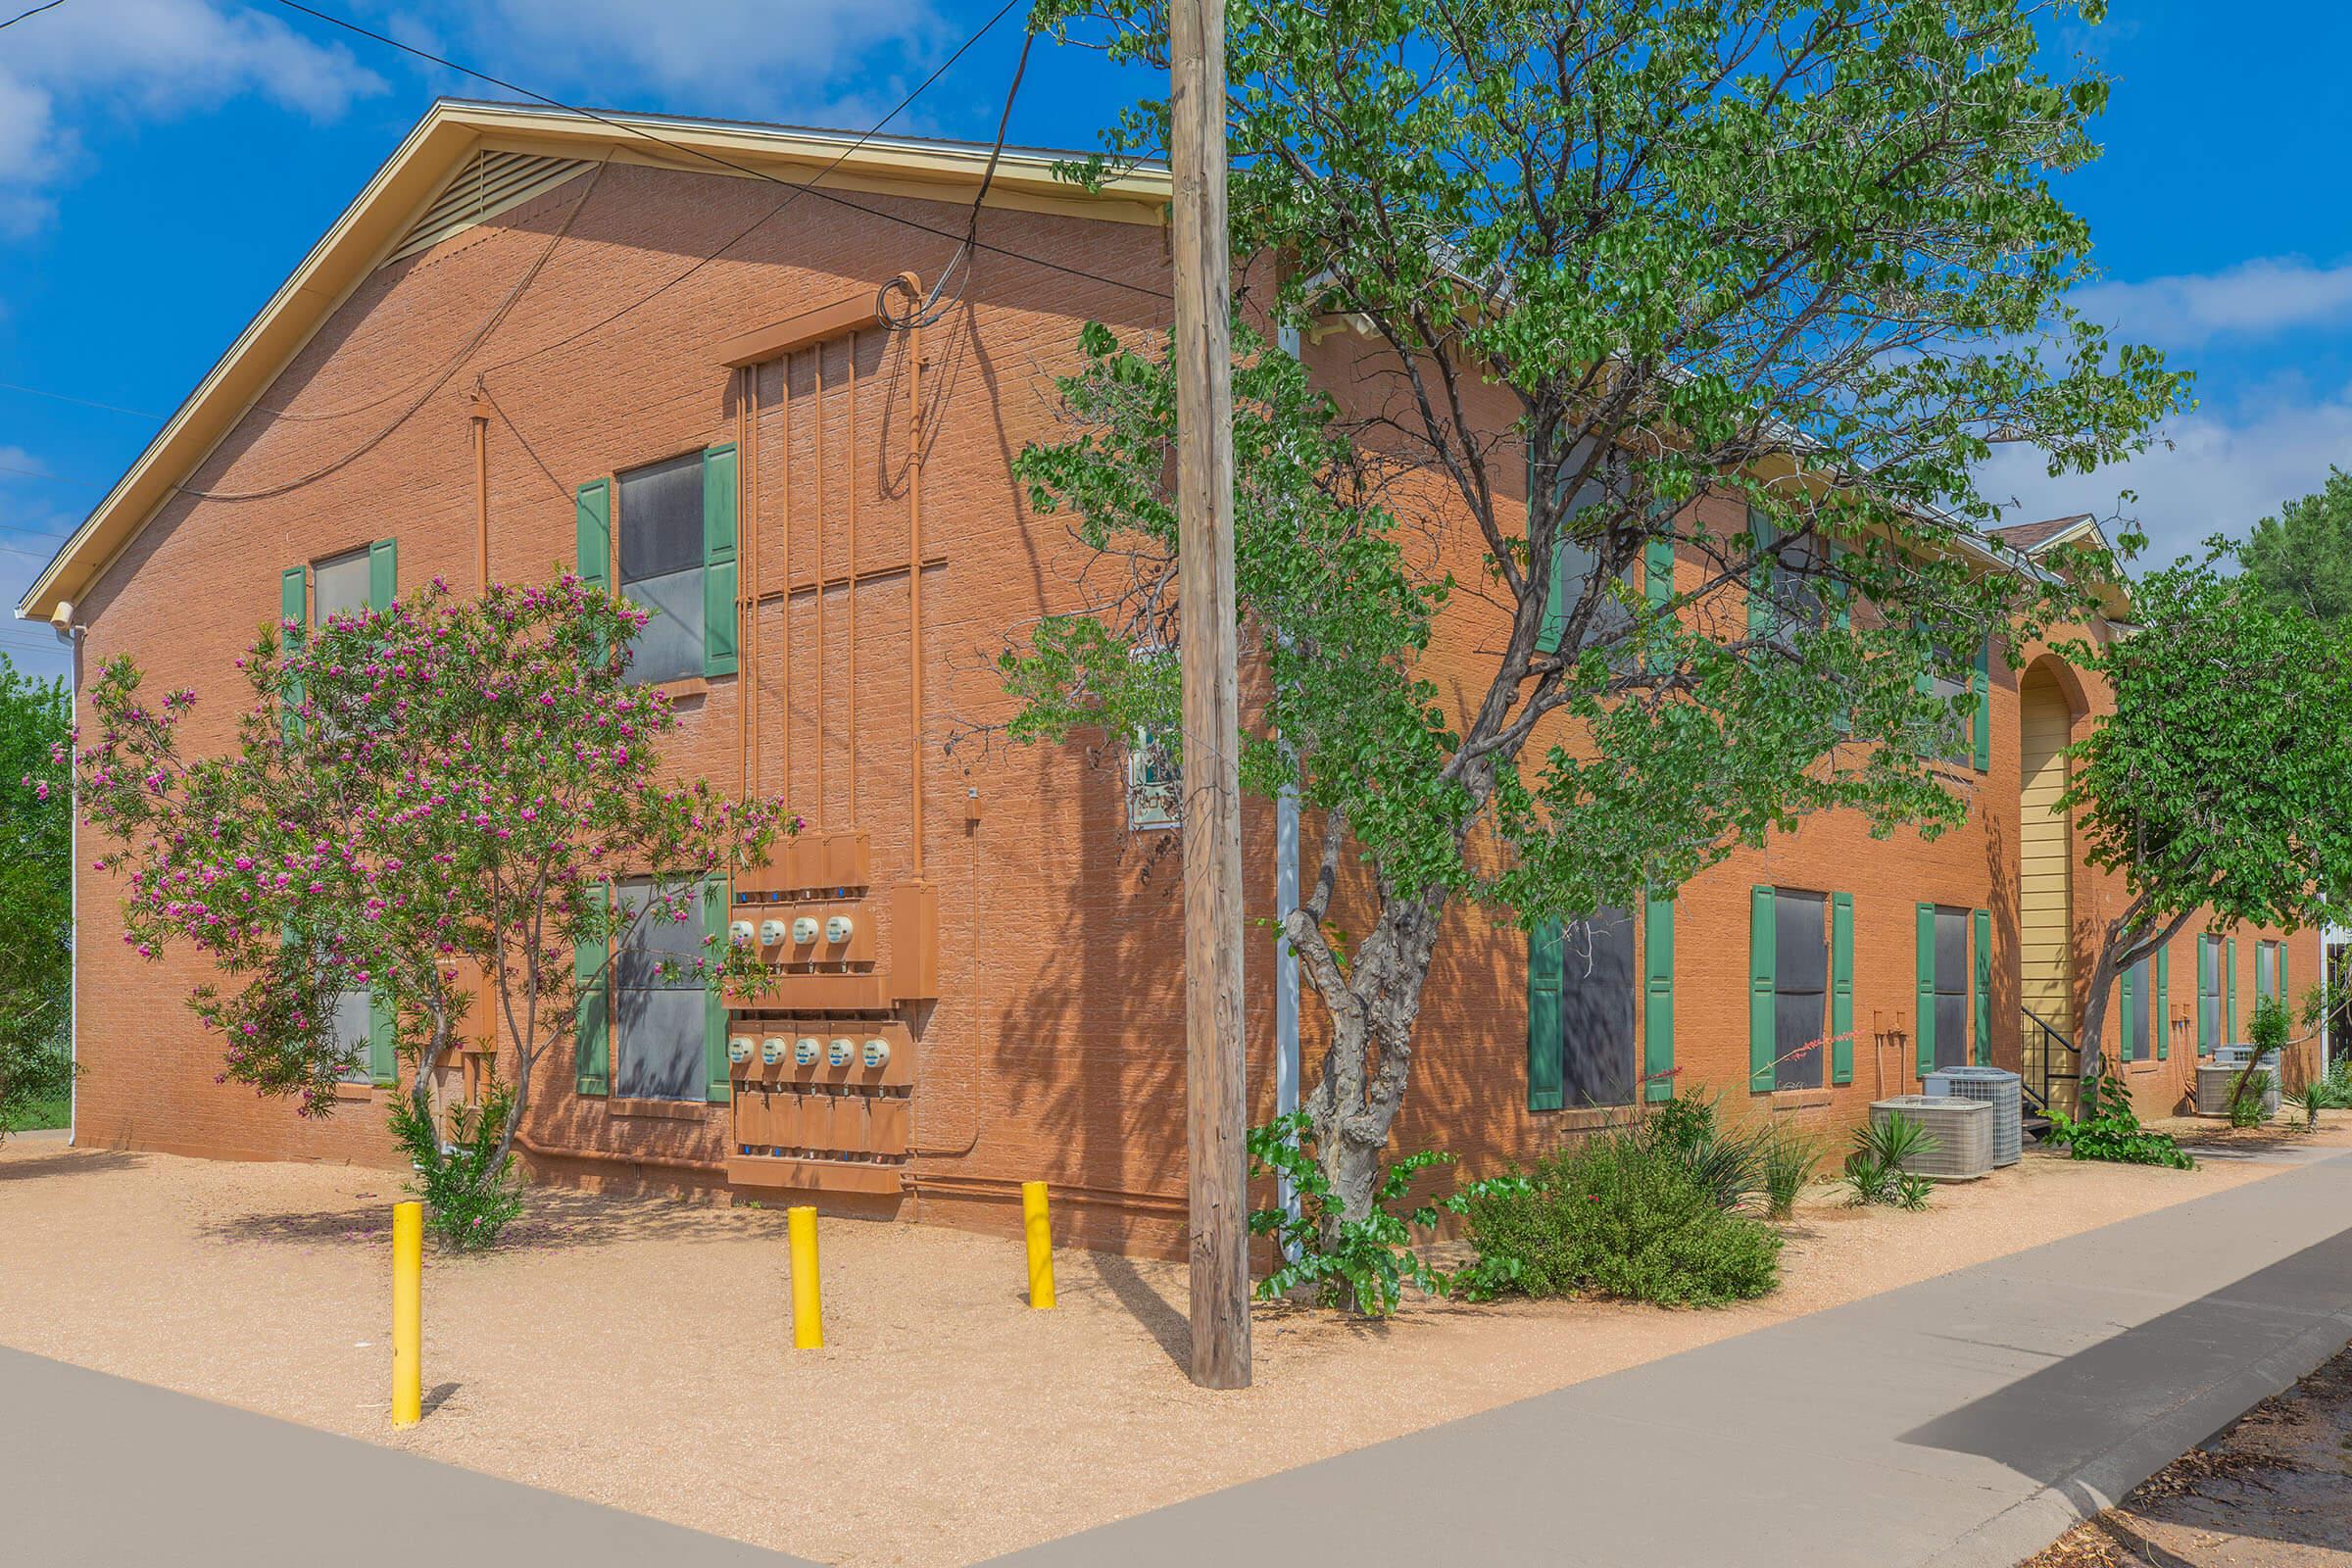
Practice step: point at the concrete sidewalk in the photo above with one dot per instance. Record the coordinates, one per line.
(1967, 1420)
(105, 1473)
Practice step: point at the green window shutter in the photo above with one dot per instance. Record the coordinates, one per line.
(1760, 617)
(719, 631)
(2207, 985)
(2286, 996)
(715, 995)
(293, 605)
(1546, 1090)
(380, 1055)
(1924, 1037)
(1658, 998)
(1763, 979)
(1657, 587)
(592, 1046)
(592, 511)
(2131, 1001)
(1981, 682)
(1555, 609)
(1657, 571)
(2230, 1027)
(1982, 922)
(2163, 1002)
(1841, 988)
(384, 573)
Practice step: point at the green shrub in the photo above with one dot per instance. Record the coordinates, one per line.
(1789, 1162)
(2112, 1132)
(1874, 1170)
(1363, 1264)
(466, 1202)
(2313, 1098)
(1730, 1165)
(1619, 1215)
(2246, 1109)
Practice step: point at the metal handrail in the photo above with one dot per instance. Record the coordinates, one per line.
(2051, 1036)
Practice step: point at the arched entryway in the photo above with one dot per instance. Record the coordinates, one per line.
(2045, 880)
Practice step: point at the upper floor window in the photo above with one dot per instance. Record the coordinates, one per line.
(339, 586)
(663, 564)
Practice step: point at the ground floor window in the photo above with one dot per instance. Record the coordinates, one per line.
(2209, 995)
(2266, 972)
(2138, 997)
(658, 1024)
(354, 1026)
(1800, 987)
(1949, 989)
(1596, 1009)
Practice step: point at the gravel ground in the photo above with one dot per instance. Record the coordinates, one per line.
(2273, 1490)
(637, 1351)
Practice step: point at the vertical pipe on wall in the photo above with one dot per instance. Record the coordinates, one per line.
(747, 581)
(481, 487)
(850, 703)
(784, 600)
(816, 448)
(914, 588)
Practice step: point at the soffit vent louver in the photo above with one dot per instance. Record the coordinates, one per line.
(489, 183)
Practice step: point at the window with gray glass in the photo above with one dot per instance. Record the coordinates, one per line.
(2266, 971)
(339, 587)
(1596, 1009)
(1959, 746)
(1951, 987)
(353, 1025)
(660, 526)
(1792, 569)
(1800, 987)
(658, 1022)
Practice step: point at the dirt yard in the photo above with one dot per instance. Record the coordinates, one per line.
(637, 1352)
(2274, 1491)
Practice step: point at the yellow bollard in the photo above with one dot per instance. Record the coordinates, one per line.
(408, 1314)
(1039, 1228)
(808, 1319)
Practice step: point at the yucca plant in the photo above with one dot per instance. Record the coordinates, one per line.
(1874, 1170)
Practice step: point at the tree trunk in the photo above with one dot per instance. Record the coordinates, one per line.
(1367, 1066)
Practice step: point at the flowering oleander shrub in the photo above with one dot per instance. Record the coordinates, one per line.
(442, 788)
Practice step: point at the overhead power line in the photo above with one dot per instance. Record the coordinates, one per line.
(628, 129)
(34, 12)
(87, 403)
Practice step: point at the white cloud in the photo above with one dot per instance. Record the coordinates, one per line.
(2223, 471)
(2254, 298)
(154, 58)
(746, 57)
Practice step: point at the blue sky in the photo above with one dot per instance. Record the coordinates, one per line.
(164, 162)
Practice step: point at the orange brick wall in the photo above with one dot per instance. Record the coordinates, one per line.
(1055, 1048)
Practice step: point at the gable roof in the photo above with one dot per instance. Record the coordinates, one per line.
(407, 200)
(2034, 537)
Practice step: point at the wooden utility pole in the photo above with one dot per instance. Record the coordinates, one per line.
(1212, 796)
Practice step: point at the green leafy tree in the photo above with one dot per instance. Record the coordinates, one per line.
(2219, 788)
(36, 895)
(1804, 255)
(439, 786)
(2303, 556)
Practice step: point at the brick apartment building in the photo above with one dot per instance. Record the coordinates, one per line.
(541, 340)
